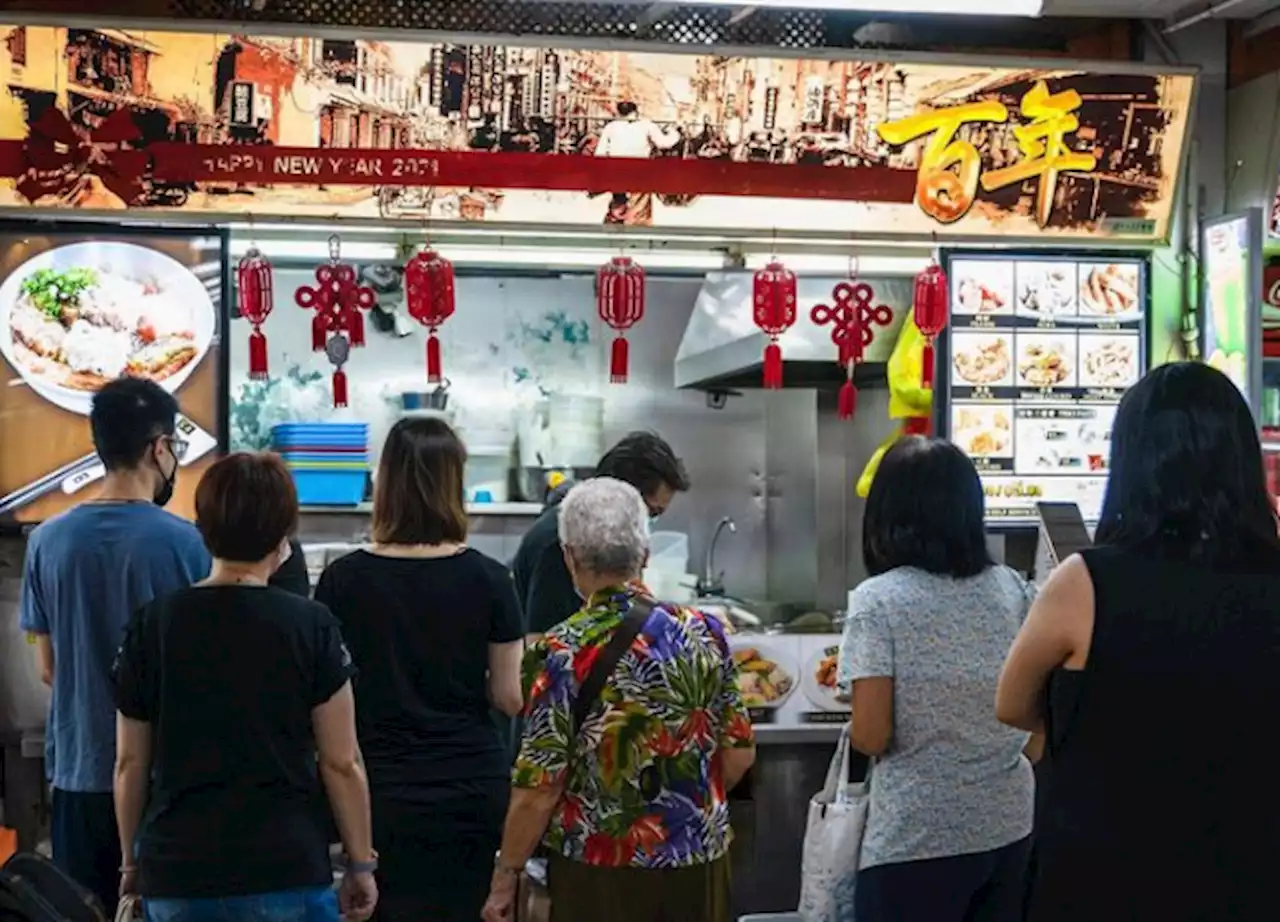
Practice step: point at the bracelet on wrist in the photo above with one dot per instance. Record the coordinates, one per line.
(363, 867)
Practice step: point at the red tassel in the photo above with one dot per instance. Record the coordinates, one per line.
(339, 388)
(619, 361)
(847, 402)
(926, 377)
(773, 366)
(435, 372)
(355, 328)
(257, 355)
(319, 332)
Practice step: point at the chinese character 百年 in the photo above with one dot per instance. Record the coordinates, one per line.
(1043, 146)
(943, 193)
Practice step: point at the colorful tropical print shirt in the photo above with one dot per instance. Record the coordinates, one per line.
(643, 784)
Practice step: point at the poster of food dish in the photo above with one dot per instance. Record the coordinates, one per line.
(80, 307)
(1032, 389)
(788, 681)
(1231, 321)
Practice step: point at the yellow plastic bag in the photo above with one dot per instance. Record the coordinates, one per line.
(909, 399)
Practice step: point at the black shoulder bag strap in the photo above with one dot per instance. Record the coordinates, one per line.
(607, 662)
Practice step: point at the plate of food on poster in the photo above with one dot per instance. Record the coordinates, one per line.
(766, 677)
(818, 680)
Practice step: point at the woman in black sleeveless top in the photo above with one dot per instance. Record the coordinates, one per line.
(1152, 662)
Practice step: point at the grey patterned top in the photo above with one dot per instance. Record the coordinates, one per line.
(954, 780)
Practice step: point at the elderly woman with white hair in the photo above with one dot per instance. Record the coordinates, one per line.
(634, 732)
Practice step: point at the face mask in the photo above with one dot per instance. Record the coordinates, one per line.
(164, 492)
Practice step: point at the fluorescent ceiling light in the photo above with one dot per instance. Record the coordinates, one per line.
(931, 7)
(317, 250)
(831, 264)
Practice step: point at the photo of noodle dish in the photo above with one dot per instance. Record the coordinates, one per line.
(79, 316)
(1108, 361)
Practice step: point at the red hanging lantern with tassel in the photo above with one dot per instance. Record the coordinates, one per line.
(931, 313)
(429, 295)
(620, 303)
(852, 319)
(773, 299)
(254, 297)
(337, 300)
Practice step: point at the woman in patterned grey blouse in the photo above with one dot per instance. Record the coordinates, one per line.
(948, 831)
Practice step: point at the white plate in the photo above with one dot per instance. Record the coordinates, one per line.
(123, 258)
(821, 697)
(754, 642)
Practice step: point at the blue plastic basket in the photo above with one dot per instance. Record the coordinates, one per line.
(314, 429)
(320, 457)
(320, 435)
(329, 488)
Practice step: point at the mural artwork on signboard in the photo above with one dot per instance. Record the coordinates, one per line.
(230, 123)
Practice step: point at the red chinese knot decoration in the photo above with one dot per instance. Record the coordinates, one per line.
(620, 303)
(254, 297)
(851, 318)
(773, 300)
(429, 294)
(338, 324)
(931, 312)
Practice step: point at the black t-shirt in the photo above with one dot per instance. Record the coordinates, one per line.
(419, 630)
(292, 577)
(227, 676)
(542, 580)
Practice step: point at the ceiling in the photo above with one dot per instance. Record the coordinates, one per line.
(1169, 10)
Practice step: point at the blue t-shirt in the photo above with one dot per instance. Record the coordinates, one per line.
(86, 572)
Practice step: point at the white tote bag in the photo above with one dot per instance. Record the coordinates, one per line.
(833, 842)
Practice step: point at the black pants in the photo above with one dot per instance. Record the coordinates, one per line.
(86, 843)
(982, 887)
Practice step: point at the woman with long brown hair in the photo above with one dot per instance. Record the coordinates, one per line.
(434, 628)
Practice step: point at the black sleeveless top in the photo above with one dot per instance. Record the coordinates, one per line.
(1160, 798)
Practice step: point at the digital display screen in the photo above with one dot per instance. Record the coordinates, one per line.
(80, 309)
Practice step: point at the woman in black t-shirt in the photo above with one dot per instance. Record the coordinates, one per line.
(435, 629)
(227, 691)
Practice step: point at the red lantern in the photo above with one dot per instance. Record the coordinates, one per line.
(931, 312)
(429, 294)
(620, 303)
(337, 301)
(254, 296)
(851, 320)
(773, 298)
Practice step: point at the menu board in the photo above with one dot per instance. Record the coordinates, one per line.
(82, 307)
(789, 680)
(1041, 350)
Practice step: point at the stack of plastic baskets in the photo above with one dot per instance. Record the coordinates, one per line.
(329, 461)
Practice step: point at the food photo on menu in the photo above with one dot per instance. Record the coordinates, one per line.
(1109, 360)
(983, 431)
(766, 678)
(819, 681)
(1047, 289)
(982, 359)
(1111, 290)
(77, 313)
(1046, 360)
(1063, 439)
(982, 286)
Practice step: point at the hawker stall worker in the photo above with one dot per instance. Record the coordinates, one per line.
(543, 585)
(86, 571)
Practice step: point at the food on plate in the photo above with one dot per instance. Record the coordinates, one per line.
(984, 364)
(992, 435)
(761, 681)
(978, 298)
(1043, 365)
(1109, 290)
(1111, 364)
(826, 674)
(82, 327)
(1048, 290)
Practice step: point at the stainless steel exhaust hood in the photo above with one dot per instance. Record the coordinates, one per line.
(723, 350)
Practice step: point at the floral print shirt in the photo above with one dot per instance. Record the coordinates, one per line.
(642, 784)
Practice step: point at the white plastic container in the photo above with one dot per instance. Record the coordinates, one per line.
(575, 429)
(669, 550)
(487, 472)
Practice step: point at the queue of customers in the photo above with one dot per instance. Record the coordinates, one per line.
(207, 761)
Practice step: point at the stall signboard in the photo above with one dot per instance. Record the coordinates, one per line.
(81, 308)
(273, 125)
(1040, 351)
(1231, 308)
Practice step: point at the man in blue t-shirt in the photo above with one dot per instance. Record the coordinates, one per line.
(86, 571)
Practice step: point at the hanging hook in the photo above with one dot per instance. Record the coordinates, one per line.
(853, 265)
(335, 248)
